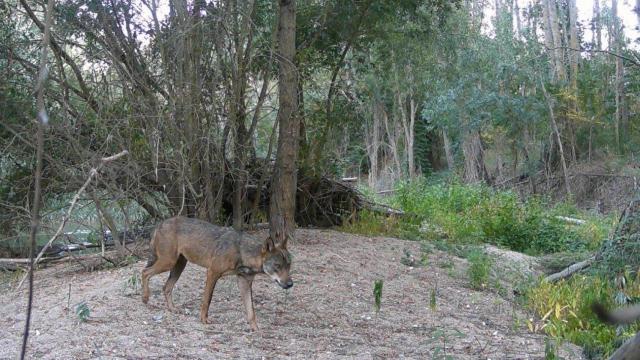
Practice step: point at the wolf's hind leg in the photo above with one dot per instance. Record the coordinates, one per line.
(158, 267)
(174, 275)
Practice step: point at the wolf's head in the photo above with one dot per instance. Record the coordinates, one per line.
(277, 262)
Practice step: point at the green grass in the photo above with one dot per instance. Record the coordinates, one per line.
(456, 218)
(479, 268)
(475, 214)
(564, 310)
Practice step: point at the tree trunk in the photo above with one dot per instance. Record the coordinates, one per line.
(111, 224)
(621, 114)
(411, 137)
(554, 28)
(392, 138)
(597, 25)
(373, 146)
(548, 34)
(474, 167)
(283, 187)
(408, 125)
(554, 124)
(574, 58)
(516, 10)
(447, 150)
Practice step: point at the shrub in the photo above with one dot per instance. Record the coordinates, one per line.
(472, 214)
(479, 268)
(565, 312)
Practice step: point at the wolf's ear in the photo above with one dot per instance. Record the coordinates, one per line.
(268, 245)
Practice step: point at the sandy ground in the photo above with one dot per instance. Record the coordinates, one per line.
(328, 314)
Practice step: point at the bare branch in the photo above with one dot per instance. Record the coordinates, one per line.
(74, 200)
(35, 210)
(632, 61)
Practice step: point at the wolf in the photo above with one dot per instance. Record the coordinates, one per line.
(222, 251)
(623, 315)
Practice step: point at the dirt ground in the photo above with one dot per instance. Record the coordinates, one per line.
(328, 314)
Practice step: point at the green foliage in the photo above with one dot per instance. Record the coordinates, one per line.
(472, 214)
(82, 311)
(377, 294)
(374, 224)
(565, 312)
(621, 252)
(451, 215)
(133, 283)
(550, 350)
(479, 268)
(446, 336)
(433, 299)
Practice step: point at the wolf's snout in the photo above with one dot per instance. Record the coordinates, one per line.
(286, 285)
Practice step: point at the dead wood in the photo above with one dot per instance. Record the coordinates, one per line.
(621, 248)
(629, 350)
(572, 269)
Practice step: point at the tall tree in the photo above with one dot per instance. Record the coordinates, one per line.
(617, 39)
(596, 27)
(552, 30)
(283, 188)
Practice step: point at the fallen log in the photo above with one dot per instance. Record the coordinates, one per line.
(571, 220)
(629, 350)
(350, 179)
(18, 261)
(620, 250)
(570, 270)
(382, 192)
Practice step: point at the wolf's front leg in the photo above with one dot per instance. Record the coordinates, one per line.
(212, 278)
(244, 283)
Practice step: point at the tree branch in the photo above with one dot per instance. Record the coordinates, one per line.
(632, 61)
(35, 210)
(85, 94)
(74, 200)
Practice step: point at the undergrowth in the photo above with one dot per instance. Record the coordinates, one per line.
(476, 214)
(455, 217)
(564, 309)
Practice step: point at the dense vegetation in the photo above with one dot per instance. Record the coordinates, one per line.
(486, 120)
(460, 218)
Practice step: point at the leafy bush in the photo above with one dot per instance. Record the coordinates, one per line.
(565, 312)
(373, 224)
(479, 268)
(472, 214)
(82, 311)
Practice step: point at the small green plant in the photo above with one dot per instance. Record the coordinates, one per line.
(377, 294)
(133, 282)
(82, 311)
(479, 268)
(130, 259)
(446, 336)
(408, 259)
(446, 263)
(550, 350)
(432, 299)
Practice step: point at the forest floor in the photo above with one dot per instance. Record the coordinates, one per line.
(328, 314)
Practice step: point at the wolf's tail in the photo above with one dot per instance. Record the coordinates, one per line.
(153, 256)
